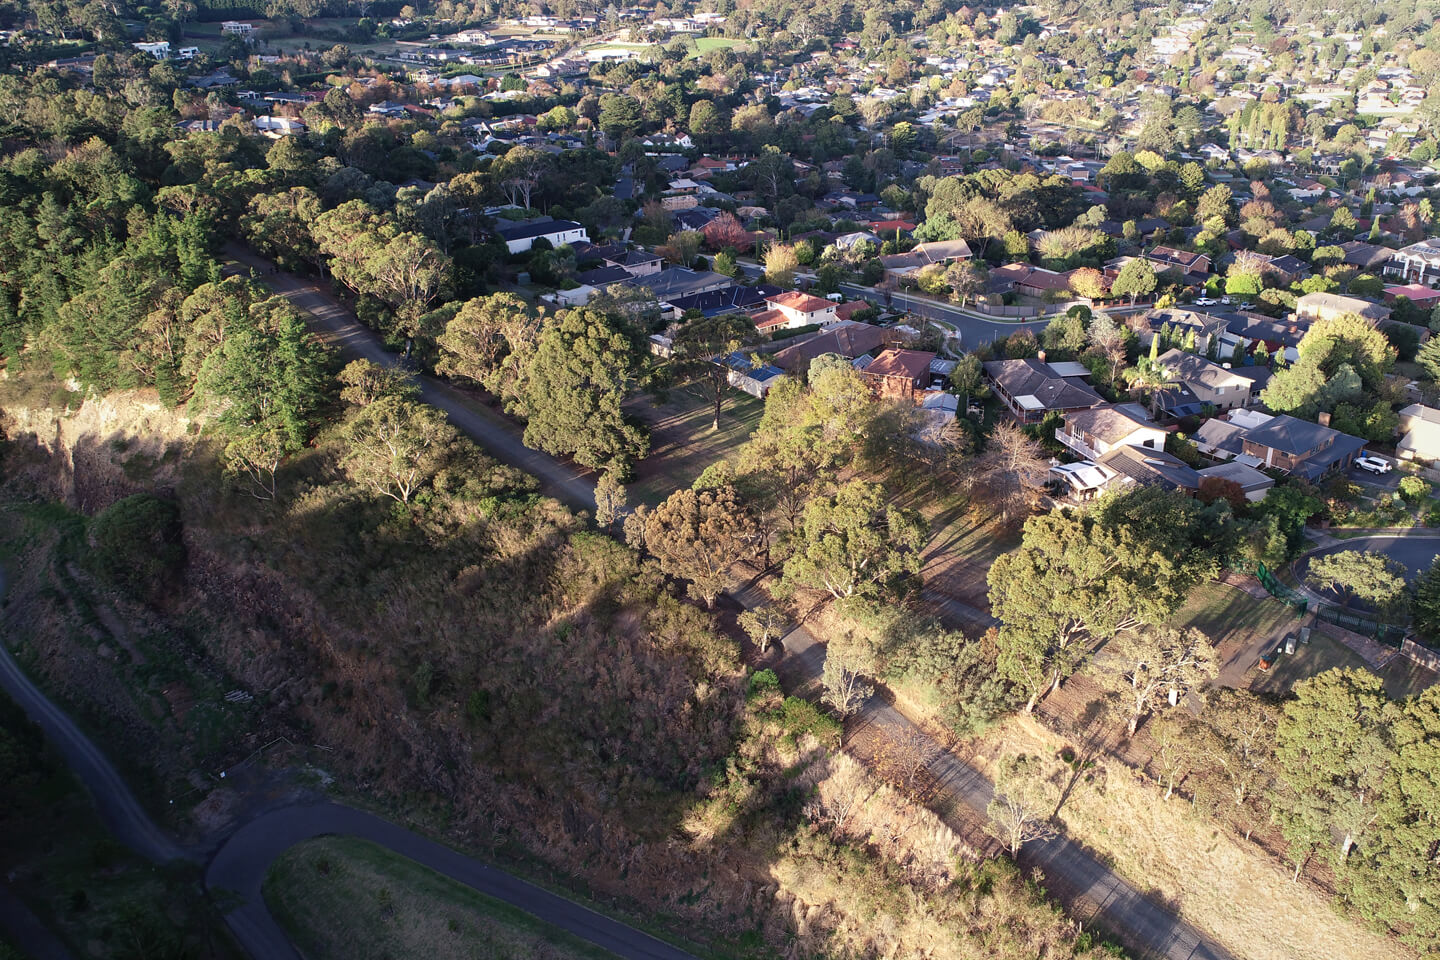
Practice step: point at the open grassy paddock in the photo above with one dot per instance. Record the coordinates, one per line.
(341, 897)
(1229, 888)
(682, 441)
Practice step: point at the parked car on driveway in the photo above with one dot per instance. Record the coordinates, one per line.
(1205, 302)
(1373, 464)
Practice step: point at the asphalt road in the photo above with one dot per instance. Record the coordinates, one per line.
(1415, 550)
(241, 864)
(972, 331)
(119, 810)
(242, 861)
(499, 436)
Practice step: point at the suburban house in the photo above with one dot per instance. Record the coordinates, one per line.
(1420, 433)
(899, 265)
(1417, 263)
(1182, 261)
(1367, 256)
(714, 303)
(1311, 451)
(1024, 280)
(1092, 433)
(1141, 466)
(1182, 322)
(792, 309)
(1248, 329)
(1031, 389)
(1327, 306)
(237, 28)
(754, 379)
(520, 237)
(899, 374)
(849, 340)
(673, 283)
(1418, 294)
(159, 49)
(1251, 482)
(637, 263)
(1211, 383)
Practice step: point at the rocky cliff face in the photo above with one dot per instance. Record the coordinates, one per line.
(89, 451)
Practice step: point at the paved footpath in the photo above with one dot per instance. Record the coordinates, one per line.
(1072, 874)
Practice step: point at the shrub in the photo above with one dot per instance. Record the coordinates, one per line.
(135, 545)
(1414, 489)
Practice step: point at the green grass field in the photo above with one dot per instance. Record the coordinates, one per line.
(706, 44)
(341, 897)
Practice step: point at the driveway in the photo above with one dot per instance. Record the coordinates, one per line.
(241, 865)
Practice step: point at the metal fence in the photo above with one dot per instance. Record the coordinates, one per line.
(1279, 591)
(1386, 633)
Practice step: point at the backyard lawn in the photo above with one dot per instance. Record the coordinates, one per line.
(682, 441)
(341, 897)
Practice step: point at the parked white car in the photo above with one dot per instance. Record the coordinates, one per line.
(1372, 464)
(1205, 302)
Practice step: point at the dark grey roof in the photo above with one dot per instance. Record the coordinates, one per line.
(675, 282)
(1291, 435)
(1248, 477)
(1151, 466)
(1020, 378)
(1222, 435)
(631, 258)
(602, 276)
(1344, 447)
(1188, 368)
(716, 302)
(1256, 327)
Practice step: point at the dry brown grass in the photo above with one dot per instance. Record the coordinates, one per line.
(1232, 891)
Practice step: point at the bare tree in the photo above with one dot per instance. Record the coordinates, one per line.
(903, 760)
(255, 456)
(841, 794)
(1008, 475)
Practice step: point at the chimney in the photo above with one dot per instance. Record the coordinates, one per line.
(1040, 356)
(1323, 419)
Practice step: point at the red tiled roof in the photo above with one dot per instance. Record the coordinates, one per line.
(796, 300)
(766, 319)
(911, 364)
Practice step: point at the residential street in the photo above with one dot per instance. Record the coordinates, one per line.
(1121, 908)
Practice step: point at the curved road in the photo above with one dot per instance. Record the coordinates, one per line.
(1415, 548)
(1072, 875)
(242, 861)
